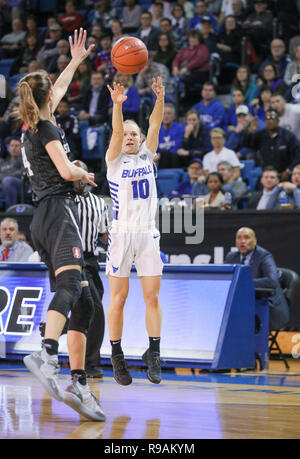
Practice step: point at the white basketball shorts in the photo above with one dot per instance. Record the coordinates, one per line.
(138, 248)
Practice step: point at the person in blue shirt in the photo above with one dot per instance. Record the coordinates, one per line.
(230, 118)
(211, 111)
(185, 188)
(170, 138)
(200, 12)
(131, 105)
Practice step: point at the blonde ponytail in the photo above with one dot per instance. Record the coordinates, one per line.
(28, 109)
(33, 90)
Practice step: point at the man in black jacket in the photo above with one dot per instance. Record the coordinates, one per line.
(264, 273)
(95, 101)
(275, 146)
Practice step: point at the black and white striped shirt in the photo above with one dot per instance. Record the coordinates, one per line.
(93, 217)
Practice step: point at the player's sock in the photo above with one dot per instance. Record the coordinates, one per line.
(81, 376)
(154, 344)
(116, 347)
(51, 346)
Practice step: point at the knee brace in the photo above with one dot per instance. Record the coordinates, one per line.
(83, 309)
(68, 291)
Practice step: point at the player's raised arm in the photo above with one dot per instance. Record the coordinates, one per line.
(156, 117)
(115, 145)
(79, 54)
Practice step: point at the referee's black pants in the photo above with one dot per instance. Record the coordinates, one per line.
(97, 324)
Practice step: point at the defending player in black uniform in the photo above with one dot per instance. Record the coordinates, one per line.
(55, 231)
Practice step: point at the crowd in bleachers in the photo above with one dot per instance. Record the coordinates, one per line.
(232, 108)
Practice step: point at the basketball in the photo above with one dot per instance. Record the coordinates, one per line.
(129, 55)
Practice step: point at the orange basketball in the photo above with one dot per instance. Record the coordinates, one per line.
(129, 55)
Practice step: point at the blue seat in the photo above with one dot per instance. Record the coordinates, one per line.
(47, 6)
(254, 175)
(5, 65)
(98, 141)
(13, 81)
(249, 165)
(167, 180)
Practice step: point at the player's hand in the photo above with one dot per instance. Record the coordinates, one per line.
(77, 48)
(158, 88)
(117, 93)
(89, 178)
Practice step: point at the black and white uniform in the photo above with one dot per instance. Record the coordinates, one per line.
(55, 226)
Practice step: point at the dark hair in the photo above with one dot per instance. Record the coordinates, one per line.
(236, 83)
(33, 90)
(217, 174)
(269, 168)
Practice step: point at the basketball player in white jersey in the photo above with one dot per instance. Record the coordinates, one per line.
(133, 237)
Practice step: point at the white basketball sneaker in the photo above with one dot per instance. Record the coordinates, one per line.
(82, 400)
(45, 368)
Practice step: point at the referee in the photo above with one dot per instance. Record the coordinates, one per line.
(93, 216)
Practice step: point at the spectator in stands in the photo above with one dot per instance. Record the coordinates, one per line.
(170, 138)
(229, 49)
(238, 11)
(236, 186)
(147, 32)
(62, 63)
(264, 273)
(211, 111)
(200, 13)
(166, 8)
(258, 27)
(244, 82)
(103, 60)
(10, 43)
(289, 114)
(180, 24)
(11, 171)
(213, 7)
(295, 41)
(236, 137)
(131, 16)
(27, 54)
(116, 30)
(278, 57)
(71, 20)
(91, 59)
(95, 102)
(188, 7)
(185, 188)
(196, 138)
(215, 198)
(69, 123)
(292, 192)
(209, 35)
(166, 27)
(262, 103)
(62, 49)
(81, 80)
(11, 248)
(192, 63)
(32, 27)
(230, 118)
(49, 48)
(293, 67)
(220, 153)
(97, 31)
(165, 52)
(104, 14)
(145, 78)
(131, 105)
(158, 13)
(260, 200)
(275, 146)
(271, 78)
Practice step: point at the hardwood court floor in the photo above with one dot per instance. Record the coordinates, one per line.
(183, 406)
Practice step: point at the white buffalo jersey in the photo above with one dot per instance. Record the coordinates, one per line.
(133, 190)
